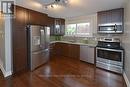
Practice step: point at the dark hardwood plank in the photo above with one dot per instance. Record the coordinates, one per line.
(64, 72)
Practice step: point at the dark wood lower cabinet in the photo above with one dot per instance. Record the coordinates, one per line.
(74, 51)
(55, 49)
(66, 50)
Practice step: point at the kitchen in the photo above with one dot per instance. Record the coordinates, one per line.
(76, 49)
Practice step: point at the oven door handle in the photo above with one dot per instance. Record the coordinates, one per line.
(109, 49)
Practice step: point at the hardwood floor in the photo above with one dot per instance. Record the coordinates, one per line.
(64, 72)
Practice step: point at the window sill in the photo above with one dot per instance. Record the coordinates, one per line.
(78, 35)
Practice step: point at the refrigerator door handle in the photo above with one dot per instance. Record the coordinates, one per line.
(38, 52)
(46, 50)
(42, 38)
(35, 53)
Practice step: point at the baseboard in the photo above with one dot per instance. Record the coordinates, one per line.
(6, 74)
(126, 80)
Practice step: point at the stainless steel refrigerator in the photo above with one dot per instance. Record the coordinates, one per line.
(38, 45)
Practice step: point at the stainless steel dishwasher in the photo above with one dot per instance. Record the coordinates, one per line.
(87, 54)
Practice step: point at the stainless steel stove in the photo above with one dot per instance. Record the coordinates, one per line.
(110, 55)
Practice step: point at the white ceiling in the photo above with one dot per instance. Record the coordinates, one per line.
(74, 7)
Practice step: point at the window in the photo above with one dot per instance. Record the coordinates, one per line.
(83, 29)
(79, 29)
(70, 29)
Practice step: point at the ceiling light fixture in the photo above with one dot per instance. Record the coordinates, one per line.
(56, 3)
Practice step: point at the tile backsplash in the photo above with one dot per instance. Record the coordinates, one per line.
(93, 39)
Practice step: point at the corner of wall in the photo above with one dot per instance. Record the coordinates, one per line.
(6, 47)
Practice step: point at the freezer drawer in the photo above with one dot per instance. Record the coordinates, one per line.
(38, 58)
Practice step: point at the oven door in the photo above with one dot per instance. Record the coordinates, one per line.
(110, 56)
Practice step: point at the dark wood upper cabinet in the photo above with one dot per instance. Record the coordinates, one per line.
(63, 21)
(59, 26)
(37, 18)
(50, 23)
(20, 16)
(111, 16)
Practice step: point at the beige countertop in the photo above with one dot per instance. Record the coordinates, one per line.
(76, 43)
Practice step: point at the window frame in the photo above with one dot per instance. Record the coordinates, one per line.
(66, 28)
(80, 35)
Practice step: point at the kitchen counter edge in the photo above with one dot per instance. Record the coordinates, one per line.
(76, 43)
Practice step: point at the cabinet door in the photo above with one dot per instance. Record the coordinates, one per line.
(62, 26)
(19, 39)
(64, 49)
(59, 27)
(57, 49)
(21, 16)
(108, 17)
(52, 52)
(19, 49)
(51, 21)
(37, 18)
(111, 16)
(74, 51)
(44, 19)
(34, 17)
(62, 31)
(102, 17)
(117, 16)
(51, 24)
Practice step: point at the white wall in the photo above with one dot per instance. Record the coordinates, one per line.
(126, 42)
(5, 45)
(2, 42)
